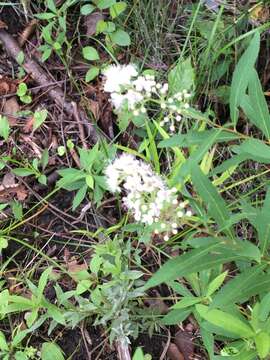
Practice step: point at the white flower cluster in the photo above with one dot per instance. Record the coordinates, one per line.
(146, 195)
(131, 91)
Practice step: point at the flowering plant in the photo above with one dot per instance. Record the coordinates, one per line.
(146, 195)
(130, 93)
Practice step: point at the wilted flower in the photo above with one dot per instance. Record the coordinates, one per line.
(146, 195)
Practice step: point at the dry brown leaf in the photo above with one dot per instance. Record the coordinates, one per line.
(27, 32)
(74, 267)
(21, 193)
(173, 353)
(90, 22)
(11, 107)
(184, 342)
(3, 25)
(29, 125)
(7, 85)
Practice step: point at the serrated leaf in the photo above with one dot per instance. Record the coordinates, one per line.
(182, 76)
(242, 75)
(226, 321)
(90, 53)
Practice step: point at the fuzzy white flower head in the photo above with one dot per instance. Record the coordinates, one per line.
(146, 195)
(118, 76)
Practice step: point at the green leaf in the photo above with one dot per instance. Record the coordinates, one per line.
(45, 16)
(4, 127)
(23, 172)
(105, 4)
(17, 210)
(92, 73)
(20, 58)
(43, 280)
(3, 244)
(225, 321)
(120, 37)
(186, 302)
(216, 283)
(22, 89)
(79, 197)
(254, 149)
(217, 207)
(206, 257)
(197, 138)
(241, 287)
(87, 9)
(264, 309)
(262, 341)
(89, 181)
(90, 53)
(51, 351)
(241, 75)
(3, 343)
(117, 9)
(51, 6)
(181, 77)
(262, 224)
(138, 355)
(39, 118)
(255, 105)
(175, 316)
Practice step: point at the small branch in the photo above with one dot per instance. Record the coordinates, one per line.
(123, 350)
(32, 67)
(80, 126)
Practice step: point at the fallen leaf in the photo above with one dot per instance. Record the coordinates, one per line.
(7, 85)
(3, 25)
(28, 127)
(90, 22)
(8, 181)
(184, 342)
(173, 353)
(74, 267)
(11, 107)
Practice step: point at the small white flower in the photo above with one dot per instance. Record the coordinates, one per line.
(143, 110)
(166, 119)
(163, 105)
(172, 128)
(166, 238)
(178, 117)
(180, 213)
(174, 225)
(136, 113)
(164, 89)
(174, 231)
(175, 201)
(186, 105)
(118, 76)
(188, 213)
(170, 100)
(163, 226)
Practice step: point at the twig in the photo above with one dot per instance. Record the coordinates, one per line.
(31, 66)
(80, 126)
(123, 350)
